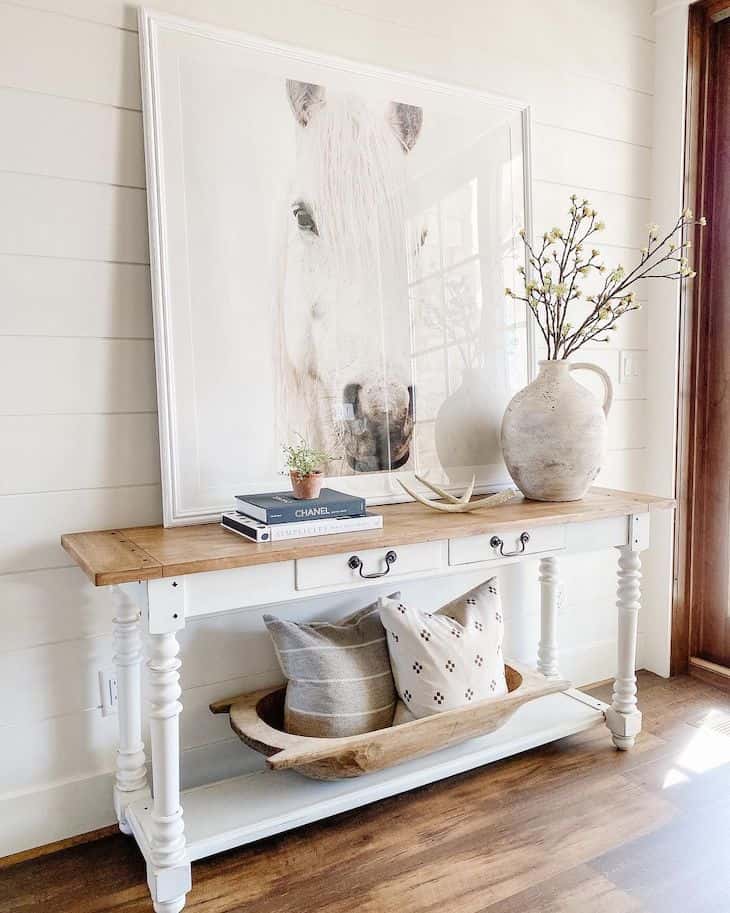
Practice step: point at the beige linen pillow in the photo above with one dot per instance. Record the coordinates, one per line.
(339, 677)
(449, 658)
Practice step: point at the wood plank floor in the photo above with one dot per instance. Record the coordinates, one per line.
(574, 827)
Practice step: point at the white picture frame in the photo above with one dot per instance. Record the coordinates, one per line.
(162, 37)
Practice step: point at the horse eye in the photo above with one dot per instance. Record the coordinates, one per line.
(305, 222)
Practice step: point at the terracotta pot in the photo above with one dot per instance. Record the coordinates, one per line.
(554, 433)
(306, 488)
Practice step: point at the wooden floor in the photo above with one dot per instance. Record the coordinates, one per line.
(575, 827)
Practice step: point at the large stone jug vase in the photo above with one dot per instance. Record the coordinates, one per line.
(554, 433)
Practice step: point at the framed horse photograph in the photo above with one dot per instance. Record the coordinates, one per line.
(330, 245)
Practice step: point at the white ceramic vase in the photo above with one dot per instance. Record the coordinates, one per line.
(467, 426)
(554, 433)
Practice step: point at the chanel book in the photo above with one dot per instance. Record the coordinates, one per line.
(282, 507)
(261, 532)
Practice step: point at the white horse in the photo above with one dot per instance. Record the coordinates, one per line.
(343, 328)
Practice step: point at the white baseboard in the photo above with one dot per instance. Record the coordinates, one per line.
(63, 810)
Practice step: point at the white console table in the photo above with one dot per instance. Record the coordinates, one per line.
(159, 577)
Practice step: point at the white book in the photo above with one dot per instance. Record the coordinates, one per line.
(261, 532)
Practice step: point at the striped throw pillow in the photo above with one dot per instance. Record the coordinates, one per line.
(339, 678)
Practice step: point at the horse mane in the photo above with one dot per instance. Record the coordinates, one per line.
(351, 169)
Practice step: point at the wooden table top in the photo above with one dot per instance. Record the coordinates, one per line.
(147, 552)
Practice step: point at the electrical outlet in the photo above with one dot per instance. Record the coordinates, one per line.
(109, 693)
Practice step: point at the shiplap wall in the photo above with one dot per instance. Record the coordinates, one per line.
(77, 391)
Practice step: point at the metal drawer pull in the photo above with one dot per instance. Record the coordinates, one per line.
(355, 563)
(496, 542)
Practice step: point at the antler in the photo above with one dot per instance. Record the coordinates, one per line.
(457, 505)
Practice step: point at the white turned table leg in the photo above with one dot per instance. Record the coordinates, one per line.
(623, 716)
(131, 774)
(547, 651)
(168, 873)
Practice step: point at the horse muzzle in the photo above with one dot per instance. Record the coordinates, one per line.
(378, 428)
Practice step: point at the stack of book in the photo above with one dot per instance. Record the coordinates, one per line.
(279, 515)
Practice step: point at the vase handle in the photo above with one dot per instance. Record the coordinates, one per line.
(607, 385)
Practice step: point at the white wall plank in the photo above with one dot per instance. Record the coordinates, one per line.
(31, 525)
(619, 58)
(58, 218)
(79, 375)
(50, 606)
(621, 18)
(57, 452)
(625, 469)
(57, 55)
(627, 424)
(579, 160)
(626, 218)
(43, 296)
(53, 679)
(59, 137)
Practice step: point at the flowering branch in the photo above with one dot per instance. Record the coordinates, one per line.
(560, 263)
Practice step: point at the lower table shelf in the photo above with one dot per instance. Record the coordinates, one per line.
(237, 811)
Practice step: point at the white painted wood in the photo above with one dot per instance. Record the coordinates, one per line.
(60, 810)
(54, 217)
(90, 451)
(62, 749)
(77, 610)
(623, 717)
(31, 525)
(626, 217)
(168, 870)
(117, 13)
(124, 369)
(131, 775)
(221, 591)
(580, 160)
(57, 55)
(625, 468)
(589, 537)
(623, 18)
(627, 424)
(471, 549)
(42, 296)
(233, 812)
(333, 570)
(547, 651)
(61, 137)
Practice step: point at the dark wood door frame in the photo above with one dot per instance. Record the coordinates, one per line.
(704, 17)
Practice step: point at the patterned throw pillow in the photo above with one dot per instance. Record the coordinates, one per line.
(339, 678)
(449, 658)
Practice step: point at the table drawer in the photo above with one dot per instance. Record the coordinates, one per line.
(335, 570)
(476, 549)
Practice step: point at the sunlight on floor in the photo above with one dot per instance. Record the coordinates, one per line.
(708, 749)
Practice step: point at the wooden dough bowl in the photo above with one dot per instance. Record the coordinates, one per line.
(257, 719)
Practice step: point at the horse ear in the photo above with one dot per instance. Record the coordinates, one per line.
(304, 98)
(406, 121)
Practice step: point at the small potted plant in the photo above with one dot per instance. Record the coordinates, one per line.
(305, 469)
